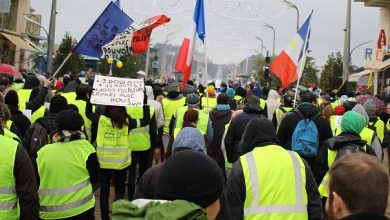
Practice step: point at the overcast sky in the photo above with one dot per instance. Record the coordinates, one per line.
(231, 26)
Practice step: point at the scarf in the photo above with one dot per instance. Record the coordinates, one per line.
(220, 107)
(67, 136)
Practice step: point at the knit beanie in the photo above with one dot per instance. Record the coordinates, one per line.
(12, 98)
(190, 138)
(230, 92)
(339, 110)
(57, 104)
(353, 122)
(191, 176)
(193, 100)
(69, 120)
(370, 107)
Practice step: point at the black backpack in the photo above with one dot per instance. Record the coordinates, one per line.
(39, 138)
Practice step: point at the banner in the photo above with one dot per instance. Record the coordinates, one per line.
(111, 22)
(134, 40)
(118, 91)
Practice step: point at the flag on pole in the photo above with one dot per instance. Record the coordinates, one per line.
(196, 29)
(111, 22)
(134, 40)
(118, 4)
(287, 66)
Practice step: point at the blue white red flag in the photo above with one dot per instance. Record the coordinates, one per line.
(287, 66)
(197, 29)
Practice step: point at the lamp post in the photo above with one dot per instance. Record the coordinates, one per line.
(274, 36)
(357, 46)
(347, 43)
(165, 53)
(262, 45)
(292, 5)
(52, 31)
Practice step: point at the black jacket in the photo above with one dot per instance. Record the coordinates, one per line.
(219, 119)
(38, 101)
(335, 144)
(236, 130)
(290, 122)
(20, 120)
(365, 217)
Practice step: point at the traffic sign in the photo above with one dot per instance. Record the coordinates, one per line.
(155, 65)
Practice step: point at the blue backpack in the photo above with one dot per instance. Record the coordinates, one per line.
(305, 137)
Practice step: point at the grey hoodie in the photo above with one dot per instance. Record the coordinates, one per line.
(157, 107)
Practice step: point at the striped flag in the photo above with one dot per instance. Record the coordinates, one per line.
(287, 66)
(196, 29)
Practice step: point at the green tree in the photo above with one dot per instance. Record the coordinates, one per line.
(332, 72)
(260, 74)
(309, 74)
(75, 63)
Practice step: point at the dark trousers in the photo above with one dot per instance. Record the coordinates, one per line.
(144, 160)
(87, 215)
(120, 186)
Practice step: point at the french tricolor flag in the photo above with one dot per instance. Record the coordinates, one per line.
(197, 29)
(288, 65)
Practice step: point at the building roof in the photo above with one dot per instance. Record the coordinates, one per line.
(375, 3)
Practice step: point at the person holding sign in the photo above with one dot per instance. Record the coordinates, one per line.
(111, 130)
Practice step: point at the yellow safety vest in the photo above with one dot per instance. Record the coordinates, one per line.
(323, 187)
(335, 124)
(113, 148)
(211, 105)
(280, 114)
(238, 99)
(335, 104)
(139, 137)
(9, 134)
(81, 105)
(24, 96)
(272, 190)
(262, 104)
(70, 97)
(319, 102)
(379, 128)
(202, 122)
(170, 107)
(17, 86)
(65, 189)
(39, 113)
(227, 164)
(8, 196)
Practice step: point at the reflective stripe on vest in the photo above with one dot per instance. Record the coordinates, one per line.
(211, 105)
(113, 148)
(255, 176)
(140, 137)
(65, 189)
(8, 197)
(170, 107)
(39, 113)
(202, 122)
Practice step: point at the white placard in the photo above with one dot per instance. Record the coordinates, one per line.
(118, 91)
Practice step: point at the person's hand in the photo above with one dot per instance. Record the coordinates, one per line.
(145, 97)
(48, 82)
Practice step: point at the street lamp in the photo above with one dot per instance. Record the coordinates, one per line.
(292, 5)
(347, 43)
(357, 46)
(274, 34)
(262, 45)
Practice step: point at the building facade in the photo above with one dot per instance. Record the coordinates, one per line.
(18, 37)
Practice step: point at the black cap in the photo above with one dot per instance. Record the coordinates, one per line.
(69, 120)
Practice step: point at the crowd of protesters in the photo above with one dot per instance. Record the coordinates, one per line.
(233, 152)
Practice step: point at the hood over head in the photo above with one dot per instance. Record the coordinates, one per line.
(252, 109)
(258, 133)
(308, 109)
(344, 139)
(353, 122)
(360, 109)
(273, 94)
(149, 92)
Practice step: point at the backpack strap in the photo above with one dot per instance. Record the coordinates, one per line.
(300, 114)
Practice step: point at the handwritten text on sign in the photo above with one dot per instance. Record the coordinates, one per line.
(118, 91)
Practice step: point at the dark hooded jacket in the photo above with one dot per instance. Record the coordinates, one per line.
(260, 133)
(219, 119)
(236, 130)
(335, 144)
(290, 122)
(20, 120)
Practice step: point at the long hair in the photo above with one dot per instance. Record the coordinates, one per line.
(190, 118)
(118, 115)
